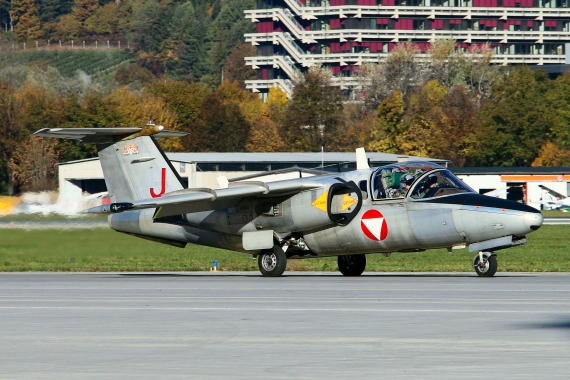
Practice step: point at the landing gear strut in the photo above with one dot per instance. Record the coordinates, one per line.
(485, 264)
(351, 265)
(272, 263)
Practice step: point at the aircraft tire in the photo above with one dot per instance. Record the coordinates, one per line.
(351, 265)
(272, 263)
(490, 267)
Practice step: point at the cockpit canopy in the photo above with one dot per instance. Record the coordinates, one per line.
(416, 180)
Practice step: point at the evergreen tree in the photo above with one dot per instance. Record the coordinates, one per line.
(5, 14)
(226, 32)
(50, 10)
(149, 25)
(25, 17)
(187, 41)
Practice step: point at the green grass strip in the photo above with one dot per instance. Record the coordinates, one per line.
(102, 249)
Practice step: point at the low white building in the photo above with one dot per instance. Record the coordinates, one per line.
(202, 169)
(523, 184)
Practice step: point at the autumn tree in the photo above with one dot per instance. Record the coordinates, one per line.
(138, 109)
(67, 27)
(104, 21)
(388, 125)
(552, 154)
(401, 71)
(24, 15)
(558, 100)
(277, 103)
(184, 98)
(130, 73)
(235, 68)
(315, 113)
(219, 127)
(11, 132)
(451, 66)
(33, 168)
(82, 9)
(515, 120)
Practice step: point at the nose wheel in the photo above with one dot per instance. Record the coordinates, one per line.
(351, 265)
(485, 264)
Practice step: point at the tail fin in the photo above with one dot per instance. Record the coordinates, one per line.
(134, 165)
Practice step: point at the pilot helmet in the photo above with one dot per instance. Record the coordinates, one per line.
(432, 179)
(406, 180)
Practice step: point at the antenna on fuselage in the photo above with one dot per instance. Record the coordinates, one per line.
(361, 160)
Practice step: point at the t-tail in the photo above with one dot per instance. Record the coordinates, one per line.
(134, 165)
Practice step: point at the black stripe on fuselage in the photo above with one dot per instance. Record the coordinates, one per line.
(470, 199)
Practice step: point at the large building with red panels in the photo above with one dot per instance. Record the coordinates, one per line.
(293, 35)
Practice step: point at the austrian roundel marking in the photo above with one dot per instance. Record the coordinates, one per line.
(374, 225)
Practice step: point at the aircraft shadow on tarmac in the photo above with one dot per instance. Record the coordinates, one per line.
(563, 323)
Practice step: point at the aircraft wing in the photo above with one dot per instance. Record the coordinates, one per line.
(195, 200)
(552, 192)
(100, 135)
(497, 192)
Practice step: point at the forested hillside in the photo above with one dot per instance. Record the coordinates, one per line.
(449, 103)
(182, 39)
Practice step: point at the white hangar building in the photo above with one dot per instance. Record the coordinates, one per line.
(202, 169)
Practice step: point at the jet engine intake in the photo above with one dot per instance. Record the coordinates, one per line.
(344, 202)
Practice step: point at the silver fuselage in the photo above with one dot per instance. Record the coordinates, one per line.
(448, 221)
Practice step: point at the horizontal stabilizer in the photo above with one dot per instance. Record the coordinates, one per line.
(195, 200)
(106, 135)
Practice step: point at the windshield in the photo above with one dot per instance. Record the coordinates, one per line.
(438, 184)
(394, 181)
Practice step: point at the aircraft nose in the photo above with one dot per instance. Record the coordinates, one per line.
(532, 220)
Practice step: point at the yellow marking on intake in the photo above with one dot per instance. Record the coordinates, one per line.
(321, 202)
(347, 201)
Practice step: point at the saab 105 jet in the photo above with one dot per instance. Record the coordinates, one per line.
(403, 207)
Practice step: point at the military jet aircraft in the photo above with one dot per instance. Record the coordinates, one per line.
(403, 207)
(553, 198)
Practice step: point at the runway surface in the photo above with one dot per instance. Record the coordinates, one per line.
(313, 326)
(556, 221)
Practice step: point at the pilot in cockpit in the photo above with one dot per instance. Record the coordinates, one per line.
(405, 182)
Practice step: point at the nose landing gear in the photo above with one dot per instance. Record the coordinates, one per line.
(485, 264)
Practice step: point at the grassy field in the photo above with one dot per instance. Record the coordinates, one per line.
(67, 62)
(555, 214)
(101, 249)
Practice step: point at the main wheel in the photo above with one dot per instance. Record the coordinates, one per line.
(488, 267)
(272, 263)
(351, 265)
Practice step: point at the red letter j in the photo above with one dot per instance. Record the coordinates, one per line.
(163, 189)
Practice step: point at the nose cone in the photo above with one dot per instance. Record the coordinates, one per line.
(532, 220)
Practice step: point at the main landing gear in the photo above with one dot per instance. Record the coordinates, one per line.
(485, 264)
(272, 263)
(352, 265)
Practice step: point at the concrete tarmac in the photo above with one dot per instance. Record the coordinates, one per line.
(302, 326)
